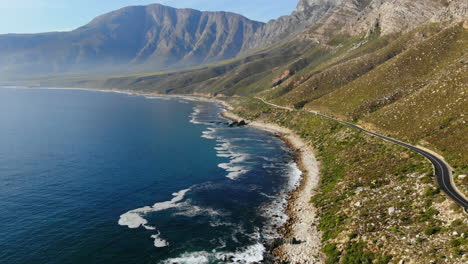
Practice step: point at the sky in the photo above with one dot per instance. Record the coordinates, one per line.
(33, 16)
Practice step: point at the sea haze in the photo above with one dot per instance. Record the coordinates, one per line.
(94, 177)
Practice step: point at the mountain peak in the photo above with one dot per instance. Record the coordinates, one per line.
(303, 5)
(152, 37)
(284, 28)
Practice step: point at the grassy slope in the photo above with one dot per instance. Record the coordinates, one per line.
(229, 77)
(411, 86)
(362, 178)
(419, 95)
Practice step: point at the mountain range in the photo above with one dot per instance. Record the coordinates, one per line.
(157, 38)
(154, 35)
(147, 38)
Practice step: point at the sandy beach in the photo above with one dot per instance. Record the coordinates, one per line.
(303, 220)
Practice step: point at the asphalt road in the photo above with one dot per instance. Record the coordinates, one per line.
(442, 170)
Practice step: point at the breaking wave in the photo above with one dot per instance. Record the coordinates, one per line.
(135, 218)
(250, 254)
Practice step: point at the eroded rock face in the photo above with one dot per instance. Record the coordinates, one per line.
(394, 16)
(359, 17)
(456, 10)
(402, 15)
(305, 5)
(306, 14)
(334, 20)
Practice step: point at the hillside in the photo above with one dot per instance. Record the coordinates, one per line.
(147, 39)
(153, 36)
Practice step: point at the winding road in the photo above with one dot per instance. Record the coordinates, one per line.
(442, 170)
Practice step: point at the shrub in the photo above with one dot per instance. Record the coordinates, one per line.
(332, 253)
(455, 243)
(385, 259)
(356, 254)
(432, 230)
(458, 252)
(428, 214)
(429, 191)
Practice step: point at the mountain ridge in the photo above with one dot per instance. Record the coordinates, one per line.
(156, 35)
(151, 38)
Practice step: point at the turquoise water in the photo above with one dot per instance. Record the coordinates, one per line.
(94, 177)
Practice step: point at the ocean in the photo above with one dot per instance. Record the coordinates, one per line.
(104, 177)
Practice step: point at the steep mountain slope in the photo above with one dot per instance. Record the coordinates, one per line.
(395, 87)
(151, 38)
(403, 15)
(155, 36)
(307, 12)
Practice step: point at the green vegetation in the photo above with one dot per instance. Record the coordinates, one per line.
(361, 178)
(332, 253)
(432, 231)
(356, 254)
(384, 259)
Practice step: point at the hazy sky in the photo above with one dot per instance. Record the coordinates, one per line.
(31, 16)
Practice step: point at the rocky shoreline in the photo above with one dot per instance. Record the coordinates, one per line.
(301, 243)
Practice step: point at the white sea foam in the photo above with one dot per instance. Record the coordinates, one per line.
(234, 172)
(189, 210)
(275, 210)
(225, 150)
(165, 98)
(158, 241)
(195, 114)
(295, 175)
(217, 223)
(201, 257)
(135, 218)
(209, 134)
(250, 254)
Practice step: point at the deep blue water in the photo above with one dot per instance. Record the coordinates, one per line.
(94, 177)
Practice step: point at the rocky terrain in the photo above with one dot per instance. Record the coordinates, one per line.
(284, 28)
